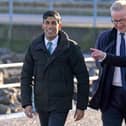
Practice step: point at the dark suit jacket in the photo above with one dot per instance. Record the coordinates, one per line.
(53, 75)
(106, 42)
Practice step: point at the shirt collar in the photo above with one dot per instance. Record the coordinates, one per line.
(54, 41)
(118, 32)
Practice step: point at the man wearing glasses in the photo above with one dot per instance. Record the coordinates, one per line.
(110, 52)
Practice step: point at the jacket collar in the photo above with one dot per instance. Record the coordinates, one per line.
(113, 34)
(63, 42)
(111, 46)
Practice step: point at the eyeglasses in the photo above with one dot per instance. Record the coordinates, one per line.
(121, 21)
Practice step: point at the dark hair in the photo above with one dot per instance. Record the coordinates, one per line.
(52, 13)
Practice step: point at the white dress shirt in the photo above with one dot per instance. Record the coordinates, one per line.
(54, 43)
(117, 81)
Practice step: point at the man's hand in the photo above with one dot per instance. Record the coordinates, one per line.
(97, 54)
(28, 111)
(79, 114)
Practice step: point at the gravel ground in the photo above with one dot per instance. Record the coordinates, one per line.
(92, 118)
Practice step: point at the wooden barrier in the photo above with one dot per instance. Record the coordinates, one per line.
(11, 65)
(20, 64)
(1, 78)
(12, 85)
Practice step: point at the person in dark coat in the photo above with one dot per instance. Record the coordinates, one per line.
(51, 70)
(110, 96)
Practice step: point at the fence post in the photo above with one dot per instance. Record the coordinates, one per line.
(94, 12)
(10, 21)
(51, 5)
(1, 78)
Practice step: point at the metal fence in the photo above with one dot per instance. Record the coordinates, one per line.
(70, 7)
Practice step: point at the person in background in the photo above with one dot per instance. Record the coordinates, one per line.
(51, 63)
(110, 52)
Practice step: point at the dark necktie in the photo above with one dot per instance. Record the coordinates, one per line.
(123, 53)
(49, 47)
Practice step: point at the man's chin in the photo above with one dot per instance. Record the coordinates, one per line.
(51, 37)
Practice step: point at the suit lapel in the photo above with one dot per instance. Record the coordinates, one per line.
(58, 51)
(111, 47)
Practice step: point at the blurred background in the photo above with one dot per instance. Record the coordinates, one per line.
(20, 20)
(20, 23)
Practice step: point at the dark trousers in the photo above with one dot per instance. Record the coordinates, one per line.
(116, 111)
(52, 118)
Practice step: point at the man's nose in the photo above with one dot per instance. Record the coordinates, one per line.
(50, 25)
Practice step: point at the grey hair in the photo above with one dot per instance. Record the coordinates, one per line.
(118, 5)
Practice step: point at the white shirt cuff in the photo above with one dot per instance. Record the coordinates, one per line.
(100, 60)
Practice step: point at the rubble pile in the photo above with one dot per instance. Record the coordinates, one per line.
(10, 100)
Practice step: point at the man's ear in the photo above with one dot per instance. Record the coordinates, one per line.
(60, 26)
